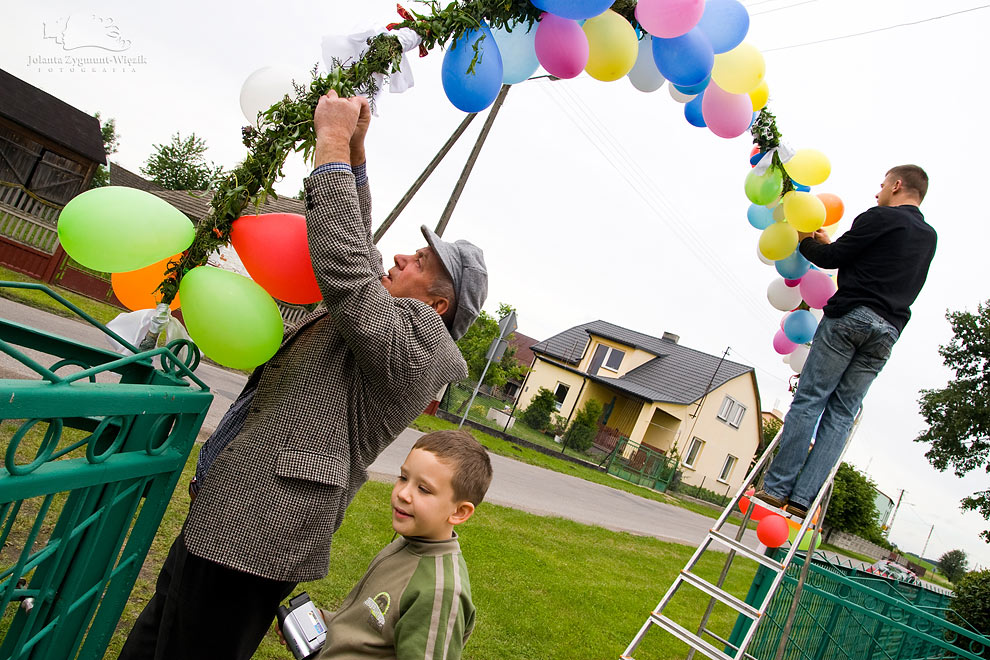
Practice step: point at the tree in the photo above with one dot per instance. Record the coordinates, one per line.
(852, 507)
(770, 426)
(181, 164)
(537, 413)
(972, 600)
(958, 415)
(953, 565)
(111, 141)
(584, 426)
(474, 347)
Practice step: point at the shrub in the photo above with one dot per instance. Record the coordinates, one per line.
(972, 600)
(537, 413)
(581, 433)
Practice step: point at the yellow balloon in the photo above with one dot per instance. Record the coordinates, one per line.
(759, 96)
(778, 213)
(831, 229)
(809, 167)
(804, 211)
(612, 46)
(778, 240)
(740, 70)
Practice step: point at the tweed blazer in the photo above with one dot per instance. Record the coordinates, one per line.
(345, 382)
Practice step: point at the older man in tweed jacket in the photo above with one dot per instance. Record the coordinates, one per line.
(287, 459)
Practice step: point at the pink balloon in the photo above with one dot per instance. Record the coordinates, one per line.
(669, 18)
(561, 46)
(727, 115)
(816, 288)
(792, 283)
(782, 344)
(783, 320)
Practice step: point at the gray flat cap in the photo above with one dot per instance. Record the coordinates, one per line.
(465, 263)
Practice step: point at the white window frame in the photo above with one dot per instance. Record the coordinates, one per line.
(727, 468)
(559, 404)
(731, 412)
(608, 354)
(687, 456)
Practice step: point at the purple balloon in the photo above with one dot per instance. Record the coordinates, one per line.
(561, 46)
(792, 283)
(782, 344)
(685, 60)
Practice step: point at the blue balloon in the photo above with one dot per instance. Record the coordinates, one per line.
(685, 60)
(472, 92)
(725, 23)
(692, 111)
(693, 89)
(574, 9)
(756, 158)
(759, 216)
(752, 120)
(800, 326)
(800, 187)
(518, 52)
(793, 267)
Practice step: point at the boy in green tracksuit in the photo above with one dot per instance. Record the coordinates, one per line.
(414, 601)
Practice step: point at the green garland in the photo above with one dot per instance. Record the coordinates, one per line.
(767, 137)
(288, 125)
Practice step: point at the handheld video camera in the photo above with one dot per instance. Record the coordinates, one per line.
(303, 627)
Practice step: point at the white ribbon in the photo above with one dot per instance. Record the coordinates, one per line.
(133, 327)
(348, 49)
(785, 153)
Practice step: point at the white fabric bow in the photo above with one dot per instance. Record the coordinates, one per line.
(133, 327)
(785, 153)
(349, 48)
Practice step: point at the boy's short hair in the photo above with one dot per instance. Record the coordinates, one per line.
(466, 457)
(913, 178)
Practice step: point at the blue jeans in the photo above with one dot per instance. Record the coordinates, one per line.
(846, 355)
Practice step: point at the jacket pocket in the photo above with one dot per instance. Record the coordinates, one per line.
(311, 466)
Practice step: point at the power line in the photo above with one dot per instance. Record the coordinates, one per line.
(882, 29)
(796, 4)
(769, 372)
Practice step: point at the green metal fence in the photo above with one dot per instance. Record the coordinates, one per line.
(90, 463)
(641, 465)
(845, 614)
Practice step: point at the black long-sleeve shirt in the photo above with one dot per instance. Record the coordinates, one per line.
(883, 262)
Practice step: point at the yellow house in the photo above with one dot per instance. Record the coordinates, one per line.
(657, 393)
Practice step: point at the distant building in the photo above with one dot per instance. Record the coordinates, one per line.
(884, 506)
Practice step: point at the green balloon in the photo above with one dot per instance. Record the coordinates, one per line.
(764, 188)
(116, 229)
(230, 317)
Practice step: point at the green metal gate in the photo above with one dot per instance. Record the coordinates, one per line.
(641, 465)
(90, 463)
(846, 614)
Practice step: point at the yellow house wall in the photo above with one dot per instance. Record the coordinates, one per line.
(722, 439)
(546, 374)
(662, 430)
(632, 359)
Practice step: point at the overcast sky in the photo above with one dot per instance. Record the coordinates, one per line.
(596, 201)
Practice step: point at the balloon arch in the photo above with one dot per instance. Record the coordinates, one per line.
(696, 46)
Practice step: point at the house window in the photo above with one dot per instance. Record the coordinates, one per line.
(613, 359)
(731, 412)
(694, 450)
(560, 394)
(730, 462)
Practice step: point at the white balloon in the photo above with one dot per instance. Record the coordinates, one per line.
(678, 95)
(798, 358)
(263, 89)
(644, 75)
(783, 297)
(817, 313)
(759, 254)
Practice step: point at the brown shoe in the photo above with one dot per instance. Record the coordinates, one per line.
(772, 500)
(796, 510)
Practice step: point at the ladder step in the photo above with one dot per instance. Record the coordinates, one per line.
(688, 637)
(720, 595)
(746, 552)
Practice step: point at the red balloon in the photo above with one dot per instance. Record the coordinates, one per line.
(759, 513)
(772, 531)
(274, 250)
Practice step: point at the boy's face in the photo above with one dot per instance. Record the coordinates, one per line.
(423, 503)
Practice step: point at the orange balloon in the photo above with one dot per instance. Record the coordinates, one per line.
(833, 208)
(136, 288)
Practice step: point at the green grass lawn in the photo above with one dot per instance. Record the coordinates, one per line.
(102, 312)
(544, 587)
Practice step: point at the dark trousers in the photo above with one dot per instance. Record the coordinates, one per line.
(204, 610)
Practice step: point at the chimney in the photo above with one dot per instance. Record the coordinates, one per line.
(671, 337)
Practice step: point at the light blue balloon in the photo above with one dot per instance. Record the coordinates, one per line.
(793, 267)
(644, 75)
(800, 326)
(518, 52)
(573, 9)
(725, 23)
(759, 216)
(692, 111)
(685, 60)
(694, 89)
(472, 92)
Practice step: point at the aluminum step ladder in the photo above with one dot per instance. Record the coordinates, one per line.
(721, 649)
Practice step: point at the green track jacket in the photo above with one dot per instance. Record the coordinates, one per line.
(414, 602)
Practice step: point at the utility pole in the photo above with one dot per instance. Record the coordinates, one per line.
(925, 549)
(506, 326)
(890, 524)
